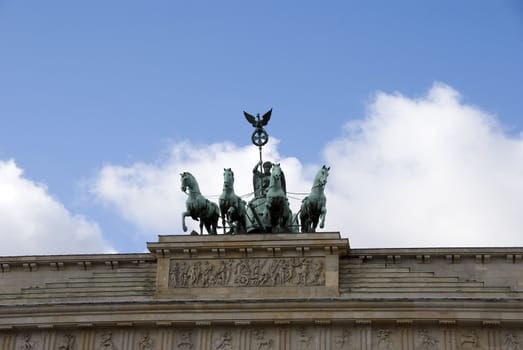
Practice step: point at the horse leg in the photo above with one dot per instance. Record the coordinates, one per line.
(223, 213)
(242, 224)
(323, 214)
(214, 225)
(184, 214)
(314, 223)
(214, 219)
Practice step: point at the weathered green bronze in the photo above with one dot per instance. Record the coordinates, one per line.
(269, 211)
(232, 207)
(260, 178)
(277, 211)
(313, 207)
(197, 206)
(259, 137)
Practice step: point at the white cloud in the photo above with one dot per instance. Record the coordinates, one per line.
(32, 222)
(427, 172)
(431, 171)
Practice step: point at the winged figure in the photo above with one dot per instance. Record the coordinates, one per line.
(258, 122)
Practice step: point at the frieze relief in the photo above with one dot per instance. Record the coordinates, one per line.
(470, 340)
(512, 342)
(185, 342)
(255, 272)
(287, 337)
(66, 342)
(427, 340)
(106, 341)
(342, 340)
(304, 339)
(223, 340)
(383, 339)
(28, 343)
(262, 341)
(146, 342)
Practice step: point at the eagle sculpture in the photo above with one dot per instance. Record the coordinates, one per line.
(258, 122)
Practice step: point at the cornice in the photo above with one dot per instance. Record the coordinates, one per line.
(268, 312)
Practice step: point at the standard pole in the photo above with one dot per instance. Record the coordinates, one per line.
(261, 165)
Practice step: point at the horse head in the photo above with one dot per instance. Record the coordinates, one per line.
(276, 173)
(321, 176)
(228, 178)
(187, 181)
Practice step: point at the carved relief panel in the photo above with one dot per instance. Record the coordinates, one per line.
(343, 338)
(471, 339)
(66, 341)
(263, 339)
(305, 338)
(106, 341)
(254, 272)
(512, 341)
(427, 339)
(384, 339)
(185, 340)
(145, 342)
(224, 339)
(289, 337)
(28, 341)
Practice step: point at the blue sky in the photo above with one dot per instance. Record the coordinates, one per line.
(99, 85)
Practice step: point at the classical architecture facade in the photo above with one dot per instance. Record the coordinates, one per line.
(264, 292)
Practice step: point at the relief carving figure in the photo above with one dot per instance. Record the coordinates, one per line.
(185, 342)
(28, 344)
(106, 342)
(223, 342)
(342, 339)
(302, 271)
(146, 342)
(470, 341)
(67, 342)
(207, 270)
(317, 277)
(282, 272)
(304, 340)
(384, 341)
(428, 342)
(261, 342)
(511, 342)
(194, 273)
(220, 276)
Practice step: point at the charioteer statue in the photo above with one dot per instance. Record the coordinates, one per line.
(269, 210)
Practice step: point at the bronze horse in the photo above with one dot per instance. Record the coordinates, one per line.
(197, 206)
(313, 207)
(232, 207)
(277, 212)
